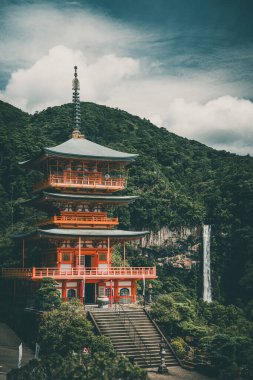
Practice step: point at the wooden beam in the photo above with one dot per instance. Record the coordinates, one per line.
(79, 252)
(108, 251)
(124, 249)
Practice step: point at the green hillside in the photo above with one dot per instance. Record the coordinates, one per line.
(180, 183)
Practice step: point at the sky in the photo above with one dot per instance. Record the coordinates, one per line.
(186, 65)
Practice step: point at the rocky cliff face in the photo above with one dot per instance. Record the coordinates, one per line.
(166, 237)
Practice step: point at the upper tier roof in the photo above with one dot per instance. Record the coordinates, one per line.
(93, 234)
(81, 148)
(108, 199)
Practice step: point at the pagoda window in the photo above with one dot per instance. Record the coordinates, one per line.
(124, 292)
(66, 257)
(71, 293)
(101, 291)
(68, 207)
(82, 260)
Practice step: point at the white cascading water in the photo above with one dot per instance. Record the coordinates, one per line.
(207, 294)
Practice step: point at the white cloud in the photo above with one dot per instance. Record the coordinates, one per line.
(42, 44)
(223, 123)
(29, 31)
(48, 81)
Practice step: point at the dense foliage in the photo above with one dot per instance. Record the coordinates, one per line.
(47, 297)
(64, 332)
(180, 183)
(214, 336)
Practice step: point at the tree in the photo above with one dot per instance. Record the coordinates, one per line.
(47, 296)
(63, 333)
(65, 329)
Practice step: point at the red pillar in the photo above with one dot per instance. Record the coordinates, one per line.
(116, 291)
(80, 290)
(111, 292)
(64, 291)
(133, 291)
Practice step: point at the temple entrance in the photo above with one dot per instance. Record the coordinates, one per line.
(88, 261)
(89, 293)
(85, 260)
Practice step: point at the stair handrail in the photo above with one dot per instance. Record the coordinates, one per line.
(89, 314)
(147, 352)
(164, 338)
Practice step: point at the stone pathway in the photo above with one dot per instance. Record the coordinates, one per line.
(9, 343)
(178, 373)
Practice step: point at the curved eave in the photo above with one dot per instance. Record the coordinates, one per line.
(105, 198)
(91, 157)
(33, 162)
(95, 234)
(80, 148)
(36, 160)
(45, 199)
(85, 148)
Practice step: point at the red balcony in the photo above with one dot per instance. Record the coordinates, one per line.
(119, 273)
(88, 181)
(82, 220)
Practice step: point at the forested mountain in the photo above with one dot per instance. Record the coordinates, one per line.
(180, 183)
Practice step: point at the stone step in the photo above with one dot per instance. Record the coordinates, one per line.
(112, 325)
(151, 348)
(152, 340)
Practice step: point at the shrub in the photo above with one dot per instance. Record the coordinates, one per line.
(180, 347)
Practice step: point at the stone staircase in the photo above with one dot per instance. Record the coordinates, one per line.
(133, 334)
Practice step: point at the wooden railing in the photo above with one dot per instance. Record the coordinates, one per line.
(82, 220)
(16, 272)
(76, 272)
(87, 181)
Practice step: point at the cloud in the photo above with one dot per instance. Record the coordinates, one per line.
(48, 81)
(223, 123)
(118, 66)
(29, 31)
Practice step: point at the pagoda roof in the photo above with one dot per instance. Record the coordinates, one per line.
(92, 233)
(81, 148)
(81, 197)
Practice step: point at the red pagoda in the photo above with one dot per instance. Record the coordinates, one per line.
(80, 183)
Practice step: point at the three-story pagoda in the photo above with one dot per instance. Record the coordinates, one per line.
(81, 181)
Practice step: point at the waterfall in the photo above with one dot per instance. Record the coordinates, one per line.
(207, 293)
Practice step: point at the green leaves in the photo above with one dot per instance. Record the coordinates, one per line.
(63, 333)
(47, 296)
